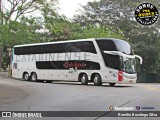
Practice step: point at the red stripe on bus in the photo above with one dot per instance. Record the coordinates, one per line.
(120, 75)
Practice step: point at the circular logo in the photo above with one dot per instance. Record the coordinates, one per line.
(138, 107)
(111, 108)
(146, 14)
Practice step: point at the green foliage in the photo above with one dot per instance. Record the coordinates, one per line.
(119, 15)
(105, 18)
(17, 29)
(5, 58)
(93, 32)
(20, 32)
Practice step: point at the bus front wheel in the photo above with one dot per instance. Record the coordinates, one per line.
(84, 79)
(97, 80)
(34, 77)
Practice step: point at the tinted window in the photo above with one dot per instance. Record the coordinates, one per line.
(106, 45)
(114, 45)
(123, 47)
(80, 47)
(86, 46)
(87, 65)
(15, 66)
(112, 61)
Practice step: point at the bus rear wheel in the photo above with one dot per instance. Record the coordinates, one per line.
(112, 84)
(84, 79)
(97, 80)
(26, 76)
(34, 77)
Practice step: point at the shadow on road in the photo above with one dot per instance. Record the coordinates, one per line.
(91, 84)
(79, 84)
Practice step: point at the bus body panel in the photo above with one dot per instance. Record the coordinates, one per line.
(67, 62)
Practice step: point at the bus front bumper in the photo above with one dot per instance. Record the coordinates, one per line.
(128, 79)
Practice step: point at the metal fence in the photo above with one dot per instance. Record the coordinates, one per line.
(148, 78)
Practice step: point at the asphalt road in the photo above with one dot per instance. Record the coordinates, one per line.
(18, 95)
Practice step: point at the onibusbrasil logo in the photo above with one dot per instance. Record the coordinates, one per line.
(146, 14)
(111, 108)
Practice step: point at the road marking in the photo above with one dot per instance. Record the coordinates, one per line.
(152, 88)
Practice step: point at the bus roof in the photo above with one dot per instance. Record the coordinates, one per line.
(78, 40)
(113, 39)
(90, 39)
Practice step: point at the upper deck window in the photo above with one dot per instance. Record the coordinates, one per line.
(84, 46)
(114, 45)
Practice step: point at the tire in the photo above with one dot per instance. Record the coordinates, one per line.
(112, 84)
(97, 80)
(26, 77)
(84, 79)
(34, 77)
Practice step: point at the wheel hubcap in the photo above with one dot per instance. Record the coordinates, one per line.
(95, 79)
(83, 79)
(33, 77)
(26, 76)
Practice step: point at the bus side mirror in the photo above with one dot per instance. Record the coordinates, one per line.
(140, 58)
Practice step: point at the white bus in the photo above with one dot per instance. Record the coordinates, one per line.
(89, 60)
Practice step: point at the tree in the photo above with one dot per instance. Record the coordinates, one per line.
(118, 15)
(59, 28)
(15, 28)
(92, 31)
(13, 9)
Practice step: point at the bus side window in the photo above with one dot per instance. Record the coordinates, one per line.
(15, 66)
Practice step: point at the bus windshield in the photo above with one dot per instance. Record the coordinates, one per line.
(112, 51)
(120, 61)
(129, 65)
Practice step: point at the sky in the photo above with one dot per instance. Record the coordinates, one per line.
(69, 7)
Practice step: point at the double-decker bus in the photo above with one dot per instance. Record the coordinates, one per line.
(101, 60)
